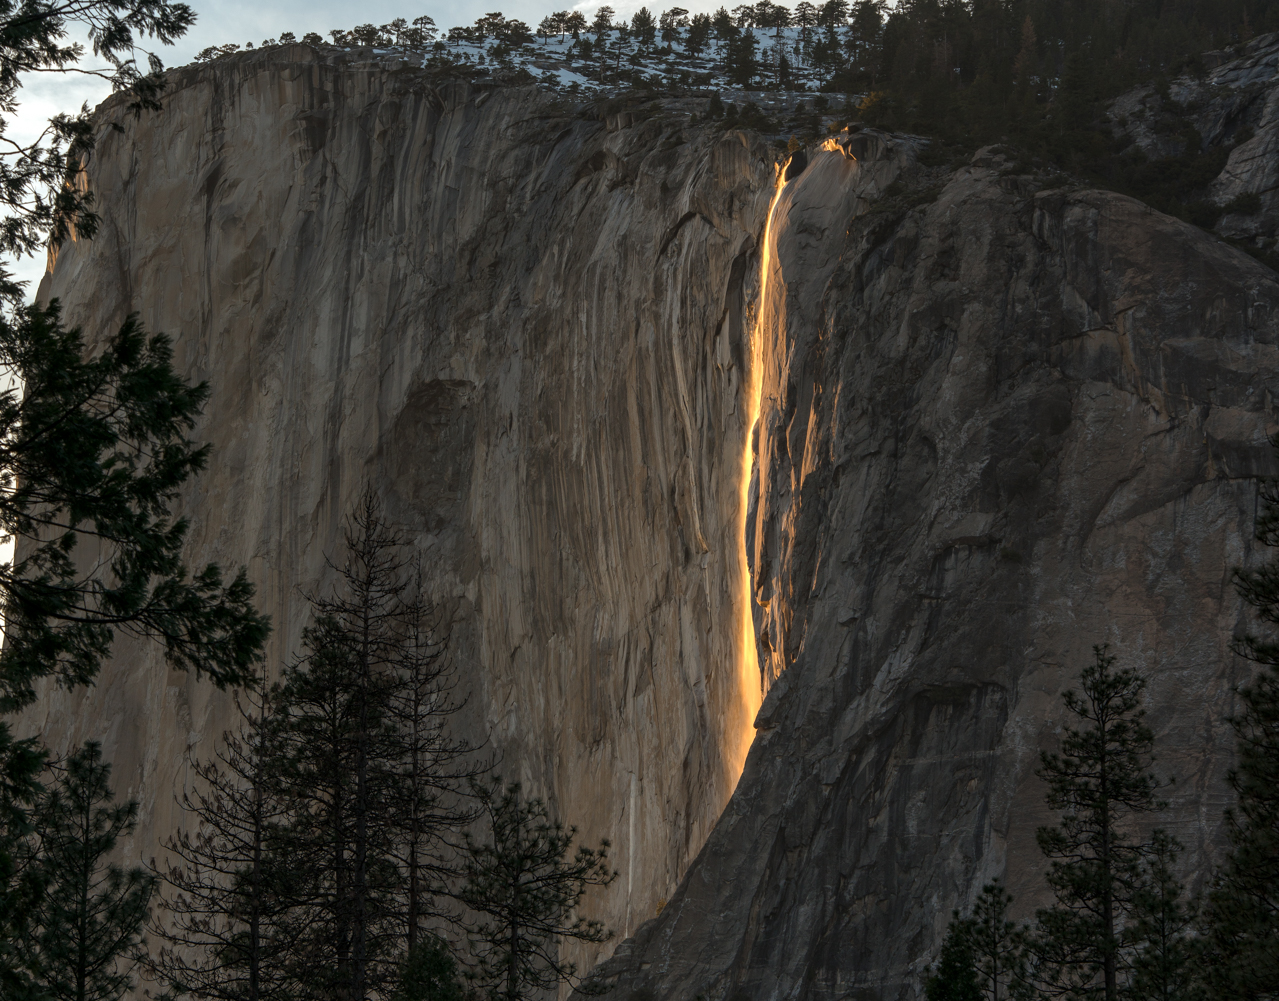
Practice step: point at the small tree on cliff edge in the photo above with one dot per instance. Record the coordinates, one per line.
(1243, 906)
(525, 892)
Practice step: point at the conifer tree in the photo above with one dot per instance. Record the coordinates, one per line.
(699, 33)
(1099, 781)
(94, 446)
(430, 973)
(984, 955)
(1165, 961)
(1243, 907)
(741, 64)
(361, 737)
(21, 762)
(525, 892)
(87, 915)
(999, 946)
(227, 893)
(337, 749)
(430, 767)
(93, 452)
(955, 976)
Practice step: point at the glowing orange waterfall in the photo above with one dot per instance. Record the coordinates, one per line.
(749, 680)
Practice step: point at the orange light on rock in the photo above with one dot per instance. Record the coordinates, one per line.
(750, 680)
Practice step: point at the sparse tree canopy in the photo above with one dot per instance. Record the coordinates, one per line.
(984, 956)
(1166, 958)
(526, 891)
(226, 911)
(38, 201)
(671, 22)
(603, 22)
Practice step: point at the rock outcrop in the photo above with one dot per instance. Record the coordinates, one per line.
(1232, 106)
(997, 424)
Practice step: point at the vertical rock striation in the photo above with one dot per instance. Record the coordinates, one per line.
(525, 331)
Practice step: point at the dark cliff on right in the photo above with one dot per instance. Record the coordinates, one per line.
(1004, 418)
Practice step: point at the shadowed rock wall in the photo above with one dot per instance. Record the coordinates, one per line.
(997, 428)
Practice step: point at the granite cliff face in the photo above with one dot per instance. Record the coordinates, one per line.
(997, 424)
(525, 331)
(999, 427)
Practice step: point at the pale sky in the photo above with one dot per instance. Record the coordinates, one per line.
(240, 21)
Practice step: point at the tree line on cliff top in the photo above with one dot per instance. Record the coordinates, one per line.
(1033, 74)
(343, 841)
(921, 59)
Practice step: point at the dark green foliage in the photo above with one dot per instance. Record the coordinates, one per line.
(93, 453)
(321, 846)
(998, 945)
(1037, 74)
(430, 973)
(741, 64)
(955, 976)
(644, 28)
(1165, 963)
(39, 202)
(525, 892)
(752, 116)
(429, 768)
(1099, 781)
(360, 747)
(335, 747)
(1243, 907)
(984, 955)
(21, 763)
(86, 916)
(699, 33)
